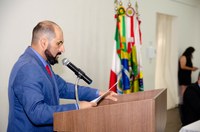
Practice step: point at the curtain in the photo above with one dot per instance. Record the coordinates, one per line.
(167, 59)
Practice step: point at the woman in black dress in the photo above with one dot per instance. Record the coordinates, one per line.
(185, 69)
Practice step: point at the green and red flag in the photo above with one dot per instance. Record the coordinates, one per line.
(127, 65)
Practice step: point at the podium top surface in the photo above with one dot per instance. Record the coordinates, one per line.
(138, 96)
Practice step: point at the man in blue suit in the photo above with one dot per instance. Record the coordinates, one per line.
(34, 89)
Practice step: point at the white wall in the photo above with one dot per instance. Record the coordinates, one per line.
(88, 23)
(187, 30)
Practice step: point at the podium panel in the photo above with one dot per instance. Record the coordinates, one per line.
(136, 112)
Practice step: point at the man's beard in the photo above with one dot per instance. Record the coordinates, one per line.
(52, 60)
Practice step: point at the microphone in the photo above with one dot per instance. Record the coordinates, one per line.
(77, 71)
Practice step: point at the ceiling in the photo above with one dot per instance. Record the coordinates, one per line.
(193, 3)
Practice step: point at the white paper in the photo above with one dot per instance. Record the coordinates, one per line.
(103, 95)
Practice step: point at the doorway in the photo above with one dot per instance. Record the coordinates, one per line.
(167, 57)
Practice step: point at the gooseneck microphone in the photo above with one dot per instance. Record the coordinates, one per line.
(77, 71)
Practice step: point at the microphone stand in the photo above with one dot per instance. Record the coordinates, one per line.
(76, 91)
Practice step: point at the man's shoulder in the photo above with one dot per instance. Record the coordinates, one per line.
(25, 64)
(28, 58)
(192, 88)
(193, 85)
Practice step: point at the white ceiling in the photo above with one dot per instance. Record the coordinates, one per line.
(193, 3)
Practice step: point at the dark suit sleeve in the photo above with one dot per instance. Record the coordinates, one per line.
(192, 98)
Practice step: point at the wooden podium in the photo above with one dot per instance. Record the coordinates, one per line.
(135, 112)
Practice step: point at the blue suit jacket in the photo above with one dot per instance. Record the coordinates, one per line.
(34, 95)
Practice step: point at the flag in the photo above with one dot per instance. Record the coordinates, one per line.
(138, 42)
(127, 65)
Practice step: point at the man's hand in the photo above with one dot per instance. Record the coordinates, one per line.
(85, 104)
(111, 95)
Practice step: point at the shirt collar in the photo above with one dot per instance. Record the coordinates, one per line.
(40, 57)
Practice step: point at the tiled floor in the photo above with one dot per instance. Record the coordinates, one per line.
(173, 120)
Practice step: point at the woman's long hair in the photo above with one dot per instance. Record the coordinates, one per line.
(188, 52)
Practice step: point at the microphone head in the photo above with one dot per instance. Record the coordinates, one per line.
(65, 61)
(76, 70)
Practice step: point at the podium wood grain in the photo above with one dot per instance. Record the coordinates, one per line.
(136, 112)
